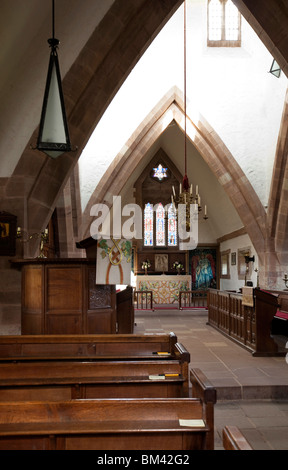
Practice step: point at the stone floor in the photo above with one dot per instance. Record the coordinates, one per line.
(252, 392)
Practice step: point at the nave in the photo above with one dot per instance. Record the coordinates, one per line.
(252, 392)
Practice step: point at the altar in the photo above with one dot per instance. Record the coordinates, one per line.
(165, 288)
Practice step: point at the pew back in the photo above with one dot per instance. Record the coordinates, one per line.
(172, 424)
(125, 346)
(62, 380)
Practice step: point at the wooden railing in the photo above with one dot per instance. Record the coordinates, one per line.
(143, 299)
(226, 313)
(192, 298)
(250, 326)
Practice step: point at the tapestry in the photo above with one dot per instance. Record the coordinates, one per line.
(113, 265)
(202, 267)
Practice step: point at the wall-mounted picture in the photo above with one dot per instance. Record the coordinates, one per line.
(202, 267)
(8, 224)
(233, 258)
(161, 263)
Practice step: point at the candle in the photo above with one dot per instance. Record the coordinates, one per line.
(205, 210)
(191, 188)
(197, 190)
(180, 188)
(173, 189)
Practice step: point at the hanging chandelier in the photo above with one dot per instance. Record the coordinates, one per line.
(186, 196)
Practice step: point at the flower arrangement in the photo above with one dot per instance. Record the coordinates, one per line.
(146, 264)
(177, 265)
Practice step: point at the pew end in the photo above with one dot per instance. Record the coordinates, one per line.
(233, 439)
(105, 424)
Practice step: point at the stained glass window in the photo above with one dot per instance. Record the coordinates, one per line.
(160, 172)
(172, 226)
(148, 225)
(164, 230)
(160, 225)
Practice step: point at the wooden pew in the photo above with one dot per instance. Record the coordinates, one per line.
(125, 310)
(62, 367)
(233, 439)
(63, 380)
(120, 424)
(206, 392)
(279, 324)
(91, 347)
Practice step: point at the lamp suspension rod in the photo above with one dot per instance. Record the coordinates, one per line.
(185, 86)
(53, 19)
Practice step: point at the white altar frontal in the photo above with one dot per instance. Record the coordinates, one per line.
(165, 288)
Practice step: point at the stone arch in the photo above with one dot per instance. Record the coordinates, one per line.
(212, 149)
(89, 86)
(277, 216)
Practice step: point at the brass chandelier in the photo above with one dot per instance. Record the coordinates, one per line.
(186, 196)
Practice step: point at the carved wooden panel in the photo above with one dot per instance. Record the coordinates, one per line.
(99, 295)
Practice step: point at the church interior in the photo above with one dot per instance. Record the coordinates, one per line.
(144, 230)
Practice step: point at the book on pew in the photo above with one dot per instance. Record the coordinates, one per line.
(192, 423)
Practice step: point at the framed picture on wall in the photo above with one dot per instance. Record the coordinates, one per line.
(225, 267)
(8, 224)
(161, 263)
(202, 267)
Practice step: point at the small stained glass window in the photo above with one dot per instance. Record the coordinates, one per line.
(160, 172)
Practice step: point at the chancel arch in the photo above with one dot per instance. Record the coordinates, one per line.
(220, 161)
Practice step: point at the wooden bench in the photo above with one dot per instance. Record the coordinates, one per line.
(206, 392)
(63, 380)
(120, 424)
(91, 347)
(63, 367)
(233, 439)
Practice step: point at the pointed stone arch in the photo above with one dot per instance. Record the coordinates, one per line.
(277, 215)
(210, 146)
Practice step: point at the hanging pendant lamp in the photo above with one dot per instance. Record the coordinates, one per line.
(185, 196)
(53, 138)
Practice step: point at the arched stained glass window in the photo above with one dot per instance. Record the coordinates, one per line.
(172, 226)
(164, 229)
(148, 225)
(160, 225)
